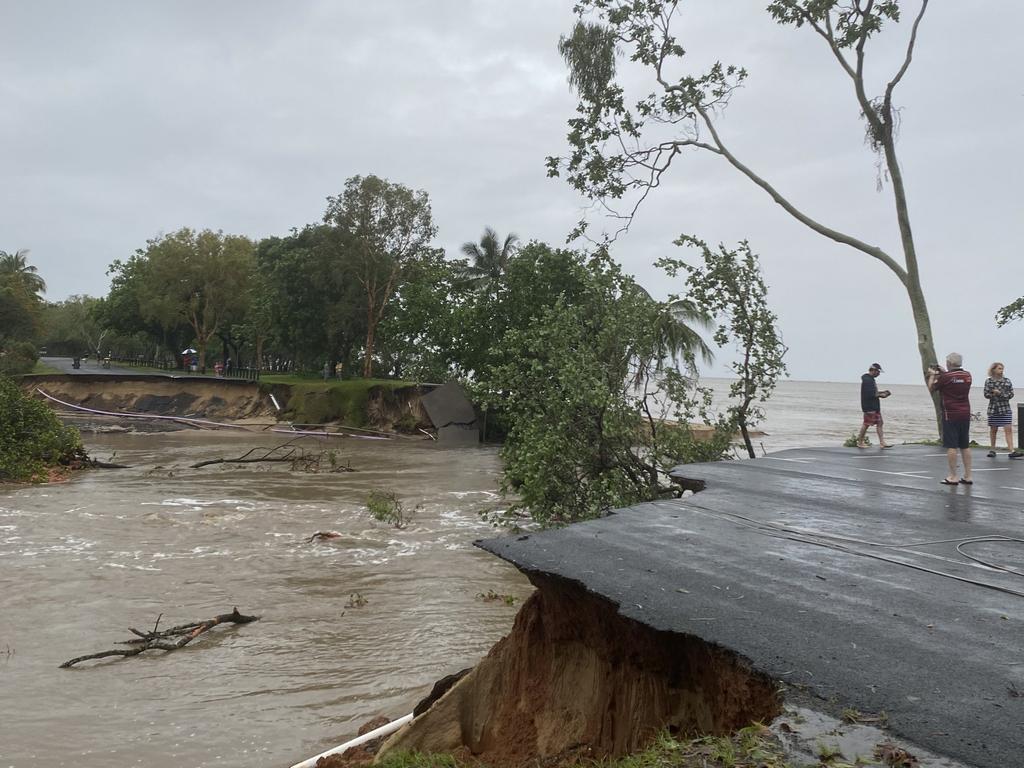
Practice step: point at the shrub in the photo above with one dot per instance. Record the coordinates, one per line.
(32, 439)
(17, 358)
(385, 507)
(851, 441)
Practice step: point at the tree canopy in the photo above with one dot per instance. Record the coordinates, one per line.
(195, 278)
(595, 419)
(624, 140)
(387, 227)
(21, 307)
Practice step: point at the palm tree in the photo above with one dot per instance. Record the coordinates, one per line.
(17, 265)
(679, 329)
(488, 260)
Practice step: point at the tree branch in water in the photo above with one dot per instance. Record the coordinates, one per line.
(166, 640)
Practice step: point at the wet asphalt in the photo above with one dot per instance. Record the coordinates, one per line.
(851, 575)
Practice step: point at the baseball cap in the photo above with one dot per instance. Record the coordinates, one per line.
(878, 366)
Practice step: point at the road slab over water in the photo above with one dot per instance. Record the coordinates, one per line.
(851, 574)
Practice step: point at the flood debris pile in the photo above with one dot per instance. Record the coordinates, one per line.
(575, 679)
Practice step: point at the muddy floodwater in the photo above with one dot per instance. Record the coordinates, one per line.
(82, 561)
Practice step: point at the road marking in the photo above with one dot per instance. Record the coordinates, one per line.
(915, 473)
(994, 469)
(795, 461)
(1011, 488)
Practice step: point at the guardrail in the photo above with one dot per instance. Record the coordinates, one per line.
(234, 372)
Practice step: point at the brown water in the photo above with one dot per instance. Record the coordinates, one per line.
(82, 561)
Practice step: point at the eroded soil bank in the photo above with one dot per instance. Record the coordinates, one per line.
(386, 406)
(574, 678)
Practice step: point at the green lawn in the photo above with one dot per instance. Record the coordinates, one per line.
(42, 368)
(312, 400)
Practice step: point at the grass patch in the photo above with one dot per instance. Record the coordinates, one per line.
(42, 368)
(419, 760)
(751, 747)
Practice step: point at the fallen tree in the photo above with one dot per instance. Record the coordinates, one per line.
(300, 459)
(165, 640)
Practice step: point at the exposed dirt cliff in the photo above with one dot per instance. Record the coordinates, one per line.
(208, 398)
(574, 678)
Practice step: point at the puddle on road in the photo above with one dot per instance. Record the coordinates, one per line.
(807, 734)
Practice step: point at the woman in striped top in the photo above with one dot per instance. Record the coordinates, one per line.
(999, 392)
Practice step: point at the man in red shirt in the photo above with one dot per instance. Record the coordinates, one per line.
(954, 384)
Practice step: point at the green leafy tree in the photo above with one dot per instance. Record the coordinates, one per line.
(593, 423)
(729, 286)
(417, 339)
(488, 259)
(623, 143)
(306, 301)
(199, 278)
(126, 311)
(386, 227)
(71, 327)
(20, 313)
(32, 439)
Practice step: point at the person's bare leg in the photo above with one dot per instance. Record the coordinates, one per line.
(1008, 431)
(966, 453)
(951, 460)
(881, 440)
(860, 436)
(992, 432)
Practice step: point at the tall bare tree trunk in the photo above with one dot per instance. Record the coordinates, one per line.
(371, 328)
(912, 282)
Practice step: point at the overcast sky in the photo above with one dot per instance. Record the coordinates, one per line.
(125, 120)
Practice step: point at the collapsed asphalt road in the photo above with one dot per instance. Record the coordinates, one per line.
(852, 575)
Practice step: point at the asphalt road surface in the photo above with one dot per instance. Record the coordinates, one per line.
(91, 366)
(852, 574)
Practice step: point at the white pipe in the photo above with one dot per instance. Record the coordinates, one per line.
(322, 433)
(131, 415)
(274, 401)
(384, 730)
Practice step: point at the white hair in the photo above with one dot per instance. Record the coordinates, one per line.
(954, 360)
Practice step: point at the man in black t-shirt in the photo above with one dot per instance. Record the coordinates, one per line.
(870, 404)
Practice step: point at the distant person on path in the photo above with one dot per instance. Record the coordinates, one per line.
(871, 405)
(999, 392)
(327, 370)
(338, 369)
(954, 384)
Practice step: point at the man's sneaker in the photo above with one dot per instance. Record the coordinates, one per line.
(1017, 455)
(991, 454)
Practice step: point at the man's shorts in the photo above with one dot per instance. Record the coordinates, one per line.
(872, 418)
(956, 434)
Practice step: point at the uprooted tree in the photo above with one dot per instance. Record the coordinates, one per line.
(622, 144)
(598, 409)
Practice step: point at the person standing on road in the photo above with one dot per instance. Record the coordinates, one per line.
(999, 392)
(954, 384)
(871, 405)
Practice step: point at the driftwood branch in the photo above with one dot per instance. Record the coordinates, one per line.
(165, 640)
(299, 458)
